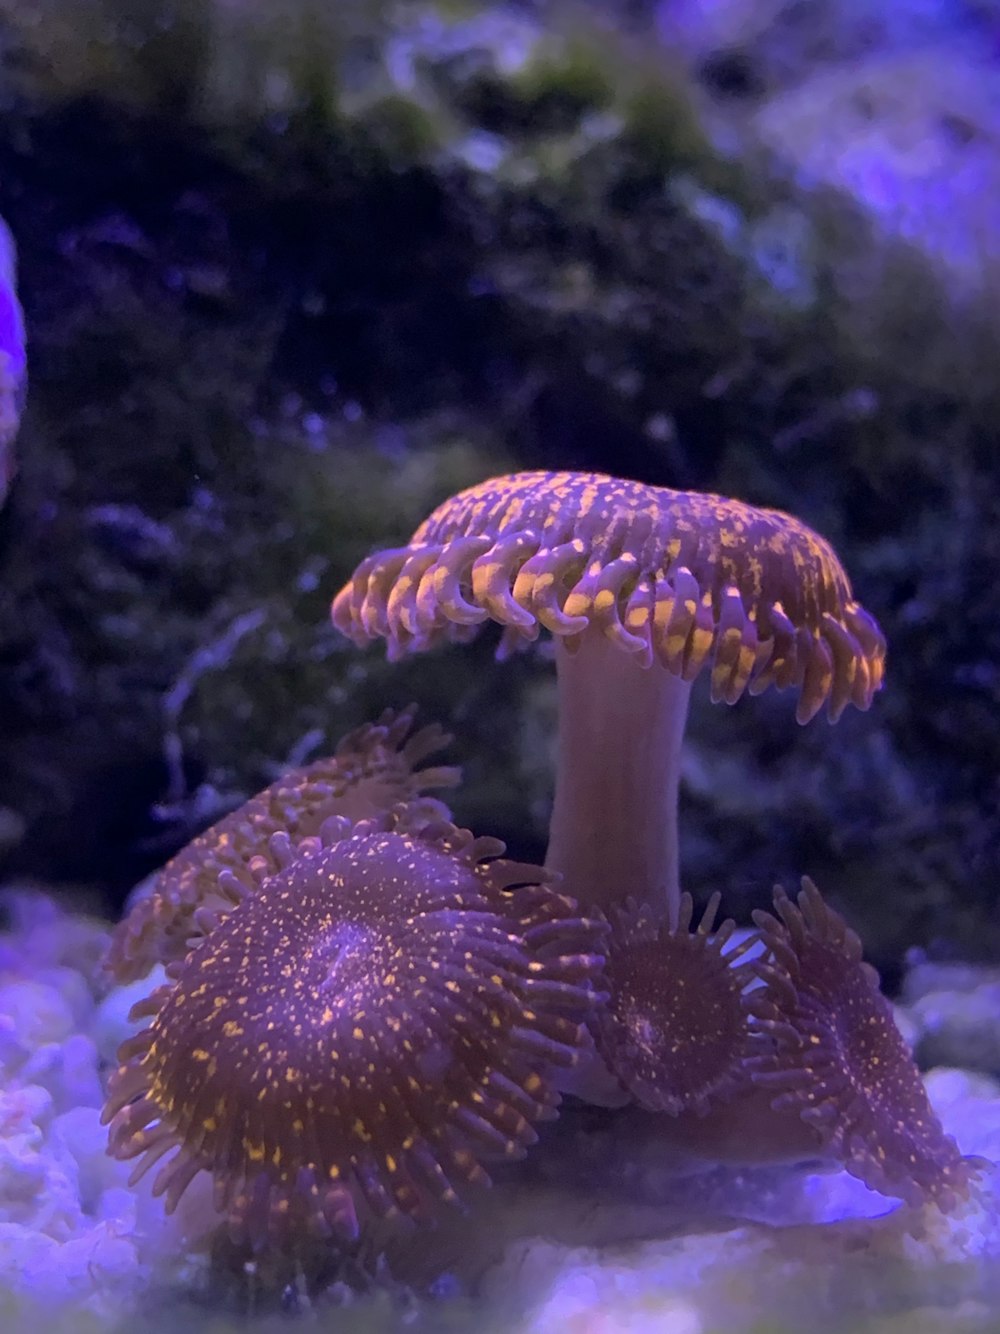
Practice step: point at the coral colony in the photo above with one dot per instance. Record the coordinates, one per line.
(365, 1005)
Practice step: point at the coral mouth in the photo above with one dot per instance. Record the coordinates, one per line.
(354, 1034)
(675, 1032)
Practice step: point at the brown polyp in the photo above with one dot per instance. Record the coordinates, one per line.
(355, 1033)
(675, 1031)
(840, 1061)
(375, 768)
(693, 581)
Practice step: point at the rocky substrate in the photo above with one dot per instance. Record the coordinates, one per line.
(595, 1232)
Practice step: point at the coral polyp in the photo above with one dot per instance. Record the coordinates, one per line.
(675, 1030)
(374, 768)
(839, 1059)
(643, 589)
(356, 1033)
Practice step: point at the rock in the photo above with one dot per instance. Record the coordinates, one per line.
(50, 937)
(111, 1025)
(952, 1011)
(37, 1012)
(78, 1136)
(36, 1189)
(969, 1107)
(91, 1272)
(68, 1071)
(912, 137)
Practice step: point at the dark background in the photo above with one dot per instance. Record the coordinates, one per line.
(273, 321)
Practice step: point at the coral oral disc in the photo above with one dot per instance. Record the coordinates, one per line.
(357, 1034)
(375, 768)
(675, 1030)
(838, 1057)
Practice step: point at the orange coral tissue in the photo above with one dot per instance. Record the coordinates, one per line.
(355, 1033)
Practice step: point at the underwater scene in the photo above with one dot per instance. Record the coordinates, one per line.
(500, 666)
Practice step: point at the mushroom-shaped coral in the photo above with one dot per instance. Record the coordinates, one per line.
(354, 1034)
(839, 1060)
(643, 588)
(675, 1030)
(374, 769)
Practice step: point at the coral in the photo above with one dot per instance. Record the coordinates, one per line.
(356, 1013)
(675, 1030)
(374, 769)
(363, 1019)
(840, 1060)
(643, 589)
(686, 578)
